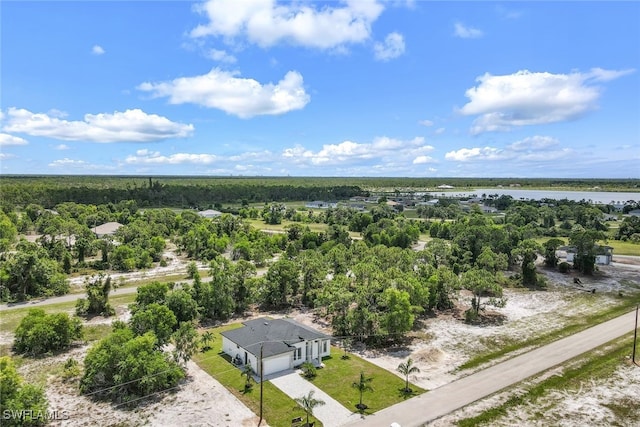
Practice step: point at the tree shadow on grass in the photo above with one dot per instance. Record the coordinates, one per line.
(364, 409)
(406, 394)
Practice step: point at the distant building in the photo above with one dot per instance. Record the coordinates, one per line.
(604, 254)
(488, 209)
(319, 204)
(106, 229)
(210, 213)
(431, 202)
(445, 187)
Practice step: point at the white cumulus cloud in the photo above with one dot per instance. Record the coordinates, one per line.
(477, 153)
(350, 152)
(533, 143)
(465, 32)
(221, 56)
(392, 47)
(426, 122)
(225, 91)
(420, 160)
(67, 162)
(62, 147)
(269, 22)
(127, 126)
(531, 98)
(6, 139)
(532, 149)
(97, 50)
(153, 157)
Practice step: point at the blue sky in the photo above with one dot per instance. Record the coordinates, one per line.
(341, 88)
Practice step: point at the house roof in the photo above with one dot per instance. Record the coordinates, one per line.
(209, 213)
(276, 336)
(106, 228)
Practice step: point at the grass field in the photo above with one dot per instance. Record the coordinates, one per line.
(338, 375)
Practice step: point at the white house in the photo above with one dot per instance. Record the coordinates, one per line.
(284, 344)
(604, 254)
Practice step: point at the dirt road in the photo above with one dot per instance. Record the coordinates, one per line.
(450, 397)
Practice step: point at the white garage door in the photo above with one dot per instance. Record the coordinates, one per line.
(276, 364)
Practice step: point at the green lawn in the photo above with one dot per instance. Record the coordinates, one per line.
(624, 248)
(278, 408)
(337, 376)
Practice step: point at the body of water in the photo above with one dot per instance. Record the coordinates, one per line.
(604, 197)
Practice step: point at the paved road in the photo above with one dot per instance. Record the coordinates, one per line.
(332, 413)
(73, 297)
(443, 400)
(64, 298)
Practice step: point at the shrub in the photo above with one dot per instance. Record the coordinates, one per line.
(71, 369)
(122, 358)
(16, 396)
(564, 267)
(308, 370)
(40, 333)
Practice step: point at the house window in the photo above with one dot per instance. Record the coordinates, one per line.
(297, 354)
(324, 346)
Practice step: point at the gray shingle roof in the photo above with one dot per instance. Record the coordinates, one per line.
(278, 335)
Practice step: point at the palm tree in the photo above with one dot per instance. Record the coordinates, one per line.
(207, 339)
(308, 403)
(407, 369)
(362, 386)
(309, 370)
(247, 372)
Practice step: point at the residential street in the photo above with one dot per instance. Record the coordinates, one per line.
(65, 298)
(450, 397)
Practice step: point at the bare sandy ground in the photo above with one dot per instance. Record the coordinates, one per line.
(199, 400)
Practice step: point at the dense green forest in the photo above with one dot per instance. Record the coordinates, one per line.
(169, 191)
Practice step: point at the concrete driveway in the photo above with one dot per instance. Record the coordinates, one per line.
(332, 413)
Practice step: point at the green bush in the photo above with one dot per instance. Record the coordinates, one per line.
(16, 396)
(132, 362)
(564, 267)
(308, 370)
(40, 333)
(71, 369)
